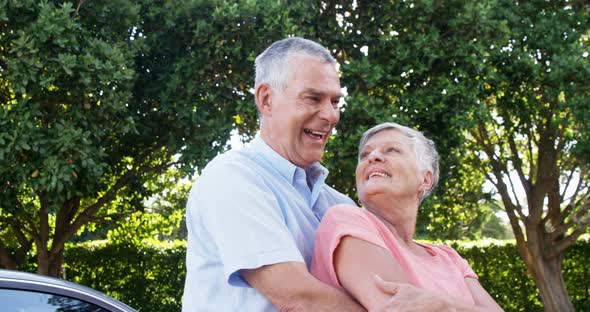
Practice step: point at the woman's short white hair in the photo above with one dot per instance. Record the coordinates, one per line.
(272, 65)
(424, 148)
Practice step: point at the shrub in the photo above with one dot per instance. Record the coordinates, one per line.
(504, 275)
(147, 277)
(150, 277)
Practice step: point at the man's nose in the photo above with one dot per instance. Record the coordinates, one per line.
(330, 112)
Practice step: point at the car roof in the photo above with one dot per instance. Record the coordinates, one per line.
(34, 282)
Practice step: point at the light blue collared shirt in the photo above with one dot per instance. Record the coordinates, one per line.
(249, 208)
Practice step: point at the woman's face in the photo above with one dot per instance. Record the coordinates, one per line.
(387, 166)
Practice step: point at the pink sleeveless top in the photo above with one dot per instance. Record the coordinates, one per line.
(443, 271)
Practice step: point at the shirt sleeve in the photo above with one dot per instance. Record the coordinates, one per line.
(460, 262)
(340, 221)
(243, 218)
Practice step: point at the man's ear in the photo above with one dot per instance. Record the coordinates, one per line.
(263, 96)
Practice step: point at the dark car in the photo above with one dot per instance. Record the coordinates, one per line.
(26, 292)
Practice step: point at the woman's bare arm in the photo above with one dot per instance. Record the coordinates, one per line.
(356, 263)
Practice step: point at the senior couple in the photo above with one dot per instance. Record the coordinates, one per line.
(265, 233)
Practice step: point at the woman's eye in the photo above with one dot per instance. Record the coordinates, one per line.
(363, 155)
(392, 150)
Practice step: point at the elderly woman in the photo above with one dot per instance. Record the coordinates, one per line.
(397, 168)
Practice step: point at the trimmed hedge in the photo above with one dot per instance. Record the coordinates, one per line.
(151, 277)
(148, 277)
(503, 274)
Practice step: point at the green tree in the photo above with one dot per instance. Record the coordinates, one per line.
(399, 62)
(501, 86)
(99, 98)
(532, 120)
(160, 217)
(67, 87)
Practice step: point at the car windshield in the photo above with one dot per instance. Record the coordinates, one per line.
(12, 300)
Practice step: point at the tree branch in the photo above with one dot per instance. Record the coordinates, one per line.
(66, 215)
(80, 2)
(499, 170)
(483, 140)
(560, 131)
(568, 180)
(88, 213)
(6, 261)
(578, 188)
(570, 206)
(517, 161)
(25, 244)
(529, 143)
(560, 228)
(17, 227)
(584, 204)
(27, 217)
(513, 189)
(43, 226)
(567, 241)
(514, 223)
(511, 209)
(584, 207)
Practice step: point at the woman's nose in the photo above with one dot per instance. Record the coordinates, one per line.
(375, 155)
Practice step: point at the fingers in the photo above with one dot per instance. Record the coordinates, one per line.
(386, 287)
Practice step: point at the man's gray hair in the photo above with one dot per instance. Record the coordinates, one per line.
(272, 65)
(424, 148)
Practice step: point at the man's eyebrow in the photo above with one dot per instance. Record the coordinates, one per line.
(320, 92)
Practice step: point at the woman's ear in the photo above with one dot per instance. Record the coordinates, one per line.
(427, 181)
(263, 97)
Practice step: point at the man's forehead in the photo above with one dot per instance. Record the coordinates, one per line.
(332, 93)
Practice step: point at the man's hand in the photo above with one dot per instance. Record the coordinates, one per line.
(406, 297)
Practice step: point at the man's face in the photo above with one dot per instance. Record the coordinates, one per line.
(298, 121)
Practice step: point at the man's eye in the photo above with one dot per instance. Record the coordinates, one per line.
(392, 150)
(363, 155)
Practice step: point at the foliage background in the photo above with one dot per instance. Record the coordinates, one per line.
(150, 277)
(183, 71)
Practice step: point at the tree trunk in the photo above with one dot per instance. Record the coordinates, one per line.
(42, 263)
(50, 267)
(6, 262)
(549, 279)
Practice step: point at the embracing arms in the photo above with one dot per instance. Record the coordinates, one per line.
(290, 287)
(356, 263)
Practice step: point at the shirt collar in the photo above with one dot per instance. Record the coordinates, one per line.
(316, 172)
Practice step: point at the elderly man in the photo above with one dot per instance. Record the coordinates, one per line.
(252, 214)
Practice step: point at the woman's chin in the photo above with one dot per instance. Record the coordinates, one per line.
(373, 196)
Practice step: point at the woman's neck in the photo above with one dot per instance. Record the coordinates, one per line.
(399, 216)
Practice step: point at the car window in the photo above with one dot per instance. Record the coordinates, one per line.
(12, 300)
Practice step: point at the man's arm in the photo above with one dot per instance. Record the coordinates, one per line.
(290, 287)
(406, 297)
